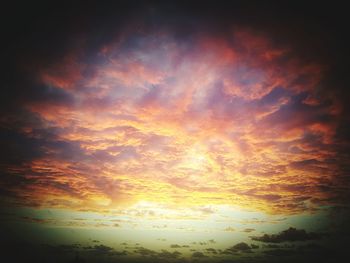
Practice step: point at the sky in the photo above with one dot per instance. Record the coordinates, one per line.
(170, 131)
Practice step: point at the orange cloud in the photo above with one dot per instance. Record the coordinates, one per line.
(208, 121)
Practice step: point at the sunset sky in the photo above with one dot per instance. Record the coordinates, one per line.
(151, 131)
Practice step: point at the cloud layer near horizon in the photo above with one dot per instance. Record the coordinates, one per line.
(150, 116)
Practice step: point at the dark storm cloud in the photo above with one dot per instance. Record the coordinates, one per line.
(289, 235)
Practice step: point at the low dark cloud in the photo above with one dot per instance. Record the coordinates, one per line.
(198, 254)
(211, 250)
(280, 252)
(166, 254)
(310, 252)
(272, 246)
(253, 246)
(240, 247)
(63, 253)
(101, 250)
(145, 252)
(175, 246)
(289, 235)
(248, 230)
(95, 251)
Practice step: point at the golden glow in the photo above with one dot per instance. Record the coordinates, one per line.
(190, 128)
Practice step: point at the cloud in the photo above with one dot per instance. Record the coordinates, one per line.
(175, 246)
(198, 254)
(130, 116)
(211, 250)
(163, 254)
(240, 247)
(280, 252)
(166, 254)
(191, 105)
(248, 230)
(145, 252)
(289, 235)
(99, 250)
